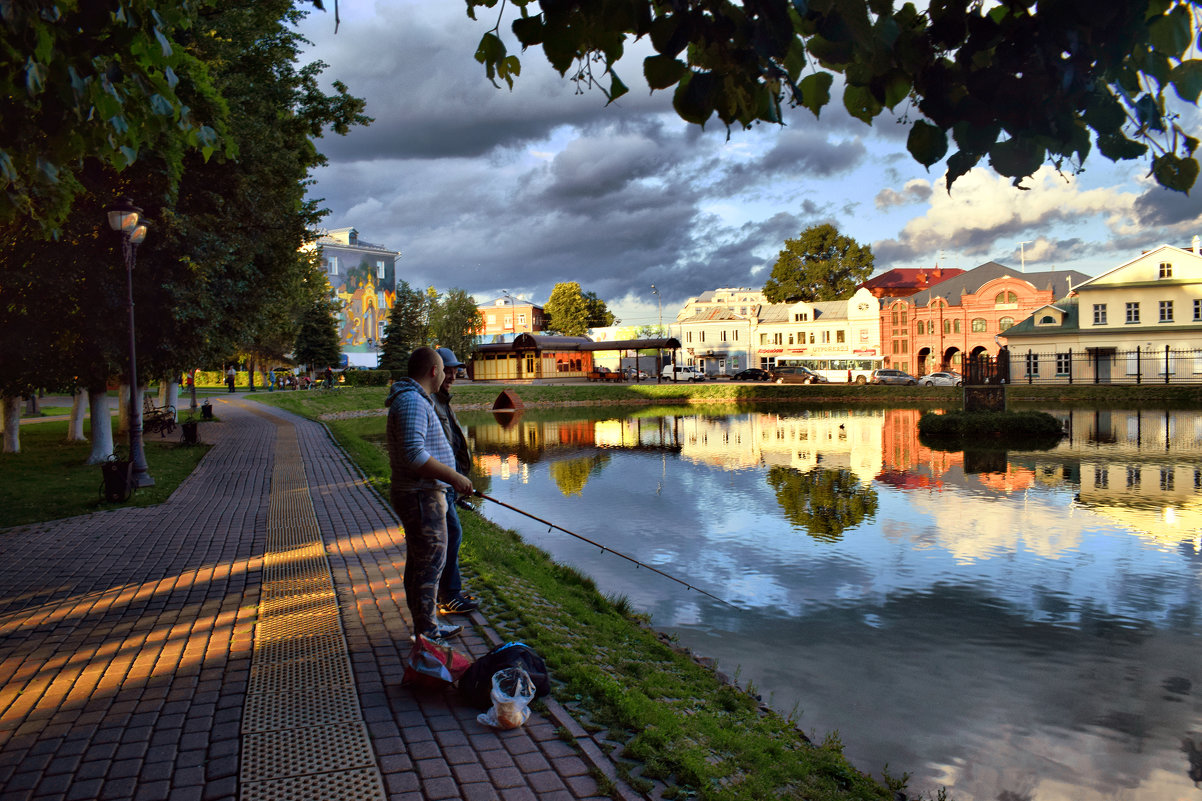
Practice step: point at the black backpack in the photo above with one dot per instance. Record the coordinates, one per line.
(476, 683)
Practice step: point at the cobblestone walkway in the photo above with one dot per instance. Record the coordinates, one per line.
(133, 646)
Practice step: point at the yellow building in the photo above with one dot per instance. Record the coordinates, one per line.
(1140, 322)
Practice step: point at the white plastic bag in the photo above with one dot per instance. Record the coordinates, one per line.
(512, 692)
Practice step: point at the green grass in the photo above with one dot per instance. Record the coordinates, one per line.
(49, 479)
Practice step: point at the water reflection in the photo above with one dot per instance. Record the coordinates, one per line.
(1020, 627)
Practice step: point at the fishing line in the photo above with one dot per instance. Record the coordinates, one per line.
(606, 548)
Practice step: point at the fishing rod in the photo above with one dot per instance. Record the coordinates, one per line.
(605, 548)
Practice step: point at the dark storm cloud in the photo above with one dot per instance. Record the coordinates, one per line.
(1159, 206)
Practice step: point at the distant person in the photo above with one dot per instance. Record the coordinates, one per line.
(451, 597)
(271, 380)
(422, 479)
(328, 377)
(230, 375)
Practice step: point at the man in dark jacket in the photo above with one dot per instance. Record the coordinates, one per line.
(451, 597)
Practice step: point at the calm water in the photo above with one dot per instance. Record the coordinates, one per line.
(1023, 628)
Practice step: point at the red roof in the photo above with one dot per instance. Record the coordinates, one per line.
(911, 277)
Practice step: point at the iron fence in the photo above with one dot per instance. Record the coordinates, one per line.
(1166, 365)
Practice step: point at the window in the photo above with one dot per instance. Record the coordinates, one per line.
(1047, 319)
(811, 337)
(840, 335)
(702, 336)
(1132, 312)
(688, 336)
(1101, 478)
(956, 326)
(1032, 364)
(1005, 299)
(979, 325)
(1166, 270)
(863, 334)
(723, 335)
(736, 335)
(1064, 363)
(1004, 323)
(918, 327)
(826, 337)
(380, 269)
(763, 339)
(333, 265)
(1133, 477)
(947, 326)
(776, 339)
(801, 317)
(1167, 479)
(1198, 309)
(896, 316)
(799, 337)
(521, 319)
(1166, 311)
(1099, 314)
(492, 319)
(903, 317)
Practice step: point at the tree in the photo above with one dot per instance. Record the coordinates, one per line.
(408, 327)
(821, 501)
(455, 323)
(572, 313)
(821, 264)
(1014, 83)
(317, 343)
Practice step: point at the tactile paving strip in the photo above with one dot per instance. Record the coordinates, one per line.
(303, 735)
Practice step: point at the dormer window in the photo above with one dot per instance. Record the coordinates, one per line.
(1166, 269)
(1047, 319)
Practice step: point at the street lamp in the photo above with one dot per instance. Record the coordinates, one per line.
(659, 367)
(125, 218)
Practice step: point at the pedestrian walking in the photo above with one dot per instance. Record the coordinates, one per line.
(421, 457)
(230, 375)
(451, 597)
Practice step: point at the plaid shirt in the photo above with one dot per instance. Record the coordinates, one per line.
(415, 436)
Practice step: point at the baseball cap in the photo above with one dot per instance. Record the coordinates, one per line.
(448, 358)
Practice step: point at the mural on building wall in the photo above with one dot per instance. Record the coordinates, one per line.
(365, 304)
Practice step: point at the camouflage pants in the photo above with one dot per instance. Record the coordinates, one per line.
(423, 514)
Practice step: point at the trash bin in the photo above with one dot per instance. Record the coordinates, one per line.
(118, 479)
(188, 432)
(206, 411)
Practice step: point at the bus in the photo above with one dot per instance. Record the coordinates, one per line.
(836, 370)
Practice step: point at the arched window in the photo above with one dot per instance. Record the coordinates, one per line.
(1004, 298)
(1047, 319)
(1004, 323)
(947, 326)
(956, 325)
(979, 326)
(918, 327)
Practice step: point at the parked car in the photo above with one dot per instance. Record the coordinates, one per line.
(942, 379)
(634, 375)
(682, 372)
(892, 377)
(752, 374)
(797, 375)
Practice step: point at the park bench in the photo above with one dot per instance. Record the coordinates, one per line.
(159, 419)
(605, 375)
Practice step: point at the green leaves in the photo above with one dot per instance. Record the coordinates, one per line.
(816, 91)
(1175, 173)
(926, 143)
(662, 71)
(491, 53)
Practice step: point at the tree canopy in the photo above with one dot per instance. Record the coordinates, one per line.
(571, 312)
(455, 322)
(821, 264)
(1015, 84)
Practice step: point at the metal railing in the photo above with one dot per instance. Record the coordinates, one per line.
(1166, 365)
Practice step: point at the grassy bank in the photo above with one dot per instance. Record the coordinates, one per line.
(49, 479)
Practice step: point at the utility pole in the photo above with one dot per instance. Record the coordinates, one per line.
(1023, 253)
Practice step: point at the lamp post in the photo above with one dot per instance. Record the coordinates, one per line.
(125, 218)
(659, 372)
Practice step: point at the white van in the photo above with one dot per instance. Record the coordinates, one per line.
(682, 372)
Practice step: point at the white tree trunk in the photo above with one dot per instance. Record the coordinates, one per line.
(102, 426)
(161, 400)
(172, 395)
(79, 408)
(11, 407)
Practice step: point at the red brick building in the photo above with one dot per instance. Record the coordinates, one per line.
(937, 328)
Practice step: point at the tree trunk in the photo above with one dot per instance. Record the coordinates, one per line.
(172, 396)
(102, 425)
(31, 404)
(123, 408)
(162, 398)
(79, 408)
(11, 408)
(250, 374)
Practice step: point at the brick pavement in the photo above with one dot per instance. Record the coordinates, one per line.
(127, 639)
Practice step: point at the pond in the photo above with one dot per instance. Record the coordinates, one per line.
(1012, 626)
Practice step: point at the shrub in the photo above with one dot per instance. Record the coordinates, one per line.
(369, 378)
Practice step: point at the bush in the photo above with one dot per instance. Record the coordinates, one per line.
(1002, 429)
(370, 378)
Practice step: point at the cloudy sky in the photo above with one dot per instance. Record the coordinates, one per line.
(489, 190)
